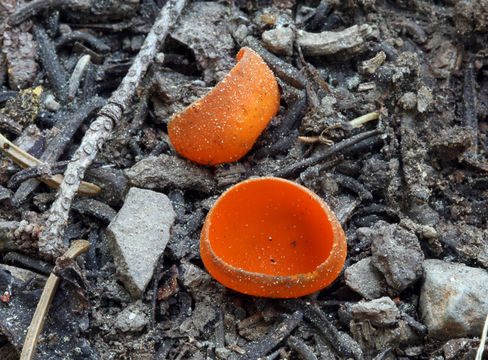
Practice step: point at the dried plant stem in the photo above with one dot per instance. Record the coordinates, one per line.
(50, 244)
(24, 159)
(359, 121)
(78, 247)
(481, 348)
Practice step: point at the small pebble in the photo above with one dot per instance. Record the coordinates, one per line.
(453, 300)
(280, 40)
(132, 318)
(51, 104)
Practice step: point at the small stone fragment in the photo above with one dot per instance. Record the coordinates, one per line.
(200, 284)
(408, 101)
(465, 239)
(396, 253)
(163, 171)
(51, 104)
(451, 142)
(424, 98)
(280, 40)
(364, 279)
(376, 339)
(201, 316)
(453, 301)
(132, 318)
(24, 275)
(138, 236)
(223, 353)
(203, 28)
(381, 312)
(459, 349)
(5, 193)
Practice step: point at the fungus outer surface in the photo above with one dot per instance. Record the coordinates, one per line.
(224, 125)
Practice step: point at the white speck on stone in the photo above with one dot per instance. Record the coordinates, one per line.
(133, 318)
(138, 236)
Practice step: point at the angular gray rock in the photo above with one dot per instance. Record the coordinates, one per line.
(203, 28)
(133, 318)
(364, 279)
(163, 171)
(138, 236)
(280, 40)
(396, 254)
(453, 301)
(381, 312)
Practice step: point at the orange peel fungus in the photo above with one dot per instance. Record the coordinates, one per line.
(274, 238)
(224, 125)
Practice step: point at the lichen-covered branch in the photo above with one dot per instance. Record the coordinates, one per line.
(50, 244)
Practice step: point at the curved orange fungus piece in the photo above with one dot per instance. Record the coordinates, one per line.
(224, 124)
(272, 237)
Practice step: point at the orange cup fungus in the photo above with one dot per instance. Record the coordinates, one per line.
(274, 238)
(224, 125)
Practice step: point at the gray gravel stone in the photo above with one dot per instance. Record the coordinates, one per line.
(381, 312)
(453, 301)
(364, 279)
(51, 104)
(203, 28)
(280, 40)
(396, 254)
(163, 171)
(132, 318)
(138, 236)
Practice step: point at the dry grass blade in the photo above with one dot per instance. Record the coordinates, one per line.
(78, 247)
(25, 160)
(359, 121)
(481, 348)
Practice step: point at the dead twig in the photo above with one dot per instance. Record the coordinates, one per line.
(54, 70)
(299, 166)
(354, 185)
(36, 171)
(469, 99)
(260, 347)
(351, 40)
(50, 243)
(83, 37)
(31, 9)
(57, 145)
(304, 352)
(345, 346)
(78, 247)
(282, 69)
(10, 125)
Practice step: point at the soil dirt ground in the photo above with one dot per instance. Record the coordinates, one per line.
(409, 184)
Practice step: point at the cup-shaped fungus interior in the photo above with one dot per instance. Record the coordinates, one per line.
(271, 226)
